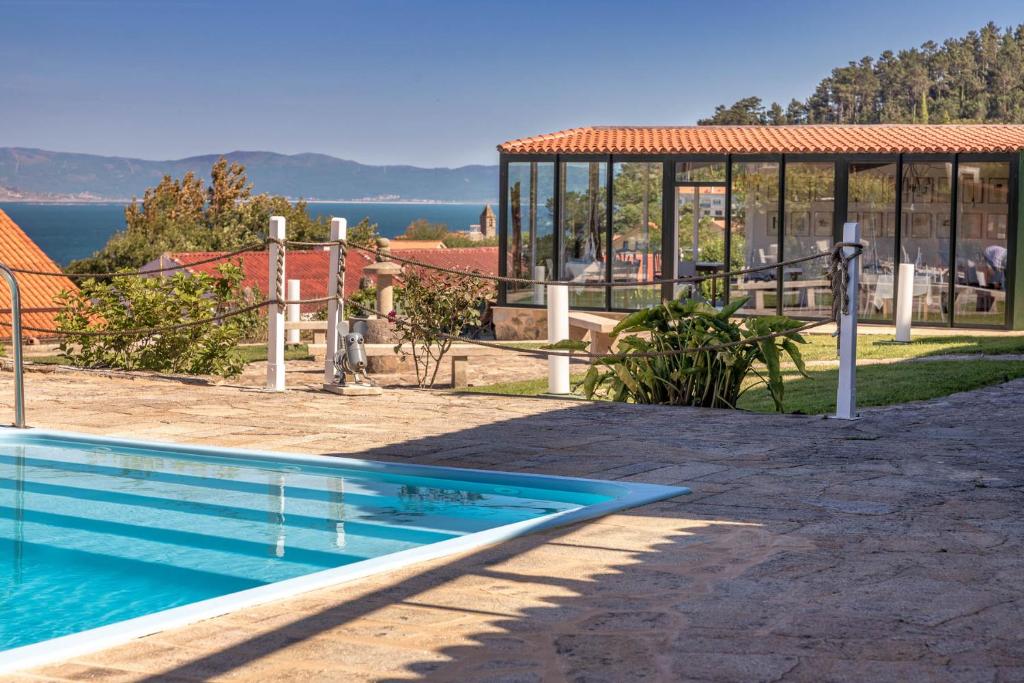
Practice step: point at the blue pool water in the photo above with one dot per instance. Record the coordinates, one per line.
(95, 532)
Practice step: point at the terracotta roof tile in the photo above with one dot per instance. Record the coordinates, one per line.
(17, 250)
(850, 139)
(311, 266)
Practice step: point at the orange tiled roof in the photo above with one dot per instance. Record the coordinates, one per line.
(17, 250)
(850, 139)
(311, 266)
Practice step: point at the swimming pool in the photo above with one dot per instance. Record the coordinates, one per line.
(103, 540)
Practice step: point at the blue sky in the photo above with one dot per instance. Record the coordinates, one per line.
(430, 83)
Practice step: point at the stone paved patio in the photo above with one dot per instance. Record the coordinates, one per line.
(887, 549)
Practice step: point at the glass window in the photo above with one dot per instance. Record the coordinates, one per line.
(700, 171)
(636, 232)
(700, 231)
(981, 243)
(808, 229)
(583, 201)
(530, 224)
(871, 201)
(755, 233)
(924, 236)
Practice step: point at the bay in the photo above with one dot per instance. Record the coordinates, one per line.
(70, 231)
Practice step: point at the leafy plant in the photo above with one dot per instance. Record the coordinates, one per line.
(707, 377)
(127, 303)
(430, 308)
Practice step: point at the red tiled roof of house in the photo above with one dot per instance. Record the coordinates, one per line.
(308, 266)
(17, 250)
(808, 139)
(311, 266)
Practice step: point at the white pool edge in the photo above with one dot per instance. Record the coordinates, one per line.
(101, 638)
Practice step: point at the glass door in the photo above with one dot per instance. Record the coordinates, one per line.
(700, 239)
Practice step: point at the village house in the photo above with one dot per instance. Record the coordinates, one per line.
(38, 310)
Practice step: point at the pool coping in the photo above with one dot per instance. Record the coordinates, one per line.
(633, 494)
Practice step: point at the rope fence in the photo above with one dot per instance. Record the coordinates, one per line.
(696, 279)
(836, 270)
(546, 353)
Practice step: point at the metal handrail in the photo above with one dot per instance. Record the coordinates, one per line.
(19, 365)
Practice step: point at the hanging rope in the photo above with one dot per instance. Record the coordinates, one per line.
(587, 355)
(838, 272)
(141, 273)
(695, 279)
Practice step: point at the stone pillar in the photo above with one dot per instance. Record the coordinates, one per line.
(384, 273)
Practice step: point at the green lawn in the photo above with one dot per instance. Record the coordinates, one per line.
(877, 385)
(885, 384)
(823, 346)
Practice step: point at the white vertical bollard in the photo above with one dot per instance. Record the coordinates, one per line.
(539, 273)
(846, 395)
(275, 313)
(905, 303)
(335, 309)
(558, 329)
(293, 314)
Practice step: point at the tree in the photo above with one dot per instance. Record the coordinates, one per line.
(364, 234)
(185, 215)
(746, 112)
(422, 229)
(974, 78)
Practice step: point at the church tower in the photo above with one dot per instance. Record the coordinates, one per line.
(488, 223)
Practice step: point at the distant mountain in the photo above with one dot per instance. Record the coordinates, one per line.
(40, 174)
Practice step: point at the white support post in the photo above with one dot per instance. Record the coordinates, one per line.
(558, 329)
(539, 273)
(846, 395)
(335, 309)
(275, 312)
(905, 303)
(294, 314)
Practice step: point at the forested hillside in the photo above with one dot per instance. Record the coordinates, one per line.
(977, 78)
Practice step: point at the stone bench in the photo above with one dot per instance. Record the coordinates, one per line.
(599, 328)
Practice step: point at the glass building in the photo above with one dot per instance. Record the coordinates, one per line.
(633, 204)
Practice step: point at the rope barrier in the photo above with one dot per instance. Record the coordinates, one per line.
(545, 353)
(148, 331)
(696, 279)
(138, 273)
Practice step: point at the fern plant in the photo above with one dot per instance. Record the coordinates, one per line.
(649, 368)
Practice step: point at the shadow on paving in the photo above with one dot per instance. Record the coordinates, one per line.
(810, 550)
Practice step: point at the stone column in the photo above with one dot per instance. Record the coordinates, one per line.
(384, 273)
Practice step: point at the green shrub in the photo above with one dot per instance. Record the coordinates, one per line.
(709, 378)
(127, 303)
(428, 306)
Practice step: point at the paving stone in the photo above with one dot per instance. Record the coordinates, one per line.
(810, 550)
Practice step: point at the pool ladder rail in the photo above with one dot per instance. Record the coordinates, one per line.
(19, 365)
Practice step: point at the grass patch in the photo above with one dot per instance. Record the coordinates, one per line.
(877, 385)
(885, 384)
(823, 346)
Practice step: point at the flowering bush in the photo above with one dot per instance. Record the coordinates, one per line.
(128, 303)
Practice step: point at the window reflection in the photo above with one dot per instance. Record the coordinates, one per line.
(636, 232)
(700, 172)
(700, 231)
(808, 228)
(755, 233)
(924, 236)
(871, 201)
(530, 225)
(981, 243)
(584, 230)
